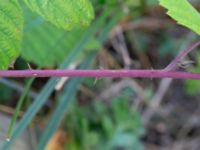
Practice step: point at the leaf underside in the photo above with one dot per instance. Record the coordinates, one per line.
(44, 44)
(47, 46)
(184, 13)
(11, 26)
(66, 14)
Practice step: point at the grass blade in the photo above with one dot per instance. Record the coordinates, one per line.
(18, 108)
(70, 91)
(49, 87)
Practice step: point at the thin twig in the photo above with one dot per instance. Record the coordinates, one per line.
(102, 73)
(112, 73)
(164, 84)
(120, 45)
(18, 108)
(156, 100)
(173, 64)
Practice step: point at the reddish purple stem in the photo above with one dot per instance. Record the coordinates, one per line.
(164, 73)
(101, 73)
(173, 64)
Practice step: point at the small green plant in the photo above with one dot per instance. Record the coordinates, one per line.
(100, 126)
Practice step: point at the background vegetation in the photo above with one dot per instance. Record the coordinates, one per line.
(104, 113)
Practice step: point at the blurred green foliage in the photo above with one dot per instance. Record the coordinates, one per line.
(192, 87)
(99, 126)
(43, 40)
(6, 94)
(46, 45)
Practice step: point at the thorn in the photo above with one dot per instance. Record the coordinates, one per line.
(12, 64)
(35, 74)
(29, 66)
(151, 78)
(96, 79)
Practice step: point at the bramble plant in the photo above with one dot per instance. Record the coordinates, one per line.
(74, 15)
(78, 14)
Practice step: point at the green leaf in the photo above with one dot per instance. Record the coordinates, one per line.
(19, 106)
(184, 13)
(46, 40)
(42, 39)
(11, 25)
(66, 14)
